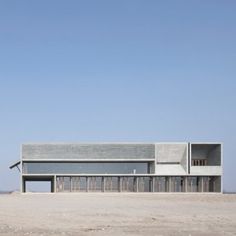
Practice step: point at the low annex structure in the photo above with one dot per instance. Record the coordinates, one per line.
(123, 167)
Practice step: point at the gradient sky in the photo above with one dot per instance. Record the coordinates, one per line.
(117, 71)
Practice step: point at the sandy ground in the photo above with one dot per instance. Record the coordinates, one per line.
(117, 214)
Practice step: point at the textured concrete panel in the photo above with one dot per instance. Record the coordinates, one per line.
(170, 170)
(88, 151)
(171, 159)
(85, 168)
(206, 170)
(170, 152)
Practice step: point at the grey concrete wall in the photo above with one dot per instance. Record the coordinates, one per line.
(206, 170)
(171, 159)
(168, 170)
(88, 151)
(184, 160)
(85, 168)
(170, 152)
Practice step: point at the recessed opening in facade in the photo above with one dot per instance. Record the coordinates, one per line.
(38, 187)
(138, 184)
(205, 154)
(38, 184)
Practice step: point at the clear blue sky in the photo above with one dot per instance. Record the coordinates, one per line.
(117, 71)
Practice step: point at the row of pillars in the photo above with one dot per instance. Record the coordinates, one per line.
(131, 184)
(136, 184)
(199, 162)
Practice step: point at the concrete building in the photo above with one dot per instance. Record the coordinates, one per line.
(123, 167)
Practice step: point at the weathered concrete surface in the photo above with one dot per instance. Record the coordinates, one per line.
(206, 170)
(171, 153)
(165, 170)
(88, 151)
(117, 214)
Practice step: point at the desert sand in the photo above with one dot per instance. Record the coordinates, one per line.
(117, 214)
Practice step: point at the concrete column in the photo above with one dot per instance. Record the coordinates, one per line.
(170, 184)
(120, 184)
(23, 188)
(202, 184)
(87, 184)
(166, 184)
(191, 185)
(186, 184)
(159, 185)
(207, 184)
(52, 185)
(77, 184)
(214, 185)
(153, 184)
(63, 181)
(182, 184)
(198, 185)
(70, 184)
(136, 184)
(149, 185)
(126, 185)
(111, 183)
(55, 183)
(103, 184)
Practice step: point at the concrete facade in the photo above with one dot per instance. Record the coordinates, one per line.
(123, 167)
